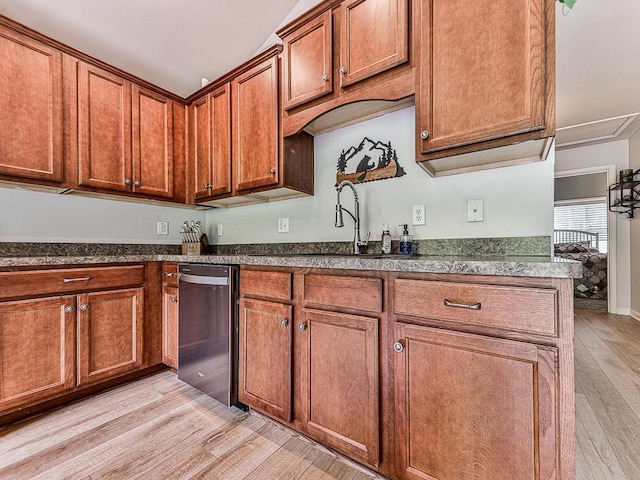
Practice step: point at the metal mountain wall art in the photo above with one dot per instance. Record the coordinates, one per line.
(370, 160)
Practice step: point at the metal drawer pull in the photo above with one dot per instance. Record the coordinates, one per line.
(174, 299)
(167, 274)
(84, 307)
(284, 322)
(69, 309)
(80, 279)
(475, 306)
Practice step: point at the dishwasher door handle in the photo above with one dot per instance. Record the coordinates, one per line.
(200, 280)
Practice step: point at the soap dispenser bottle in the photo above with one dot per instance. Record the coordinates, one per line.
(386, 240)
(406, 243)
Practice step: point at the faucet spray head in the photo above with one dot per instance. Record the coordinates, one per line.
(339, 218)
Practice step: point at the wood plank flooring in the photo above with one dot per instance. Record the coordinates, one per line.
(160, 428)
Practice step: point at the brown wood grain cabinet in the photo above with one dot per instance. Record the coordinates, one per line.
(211, 144)
(469, 406)
(125, 135)
(170, 310)
(110, 333)
(340, 381)
(37, 349)
(486, 74)
(265, 357)
(63, 330)
(331, 50)
(31, 106)
(256, 126)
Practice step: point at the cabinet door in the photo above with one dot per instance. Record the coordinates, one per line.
(170, 326)
(152, 143)
(110, 333)
(340, 387)
(374, 38)
(201, 147)
(481, 73)
(471, 407)
(307, 62)
(104, 129)
(31, 136)
(256, 126)
(37, 349)
(265, 357)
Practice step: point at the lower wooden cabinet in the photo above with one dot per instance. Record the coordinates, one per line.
(265, 353)
(470, 406)
(37, 349)
(170, 326)
(110, 333)
(339, 381)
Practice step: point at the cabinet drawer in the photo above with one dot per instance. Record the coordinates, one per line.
(66, 280)
(530, 310)
(359, 293)
(170, 274)
(266, 284)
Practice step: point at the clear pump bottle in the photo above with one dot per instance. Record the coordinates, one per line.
(386, 240)
(406, 242)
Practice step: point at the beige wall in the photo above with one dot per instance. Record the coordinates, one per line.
(634, 162)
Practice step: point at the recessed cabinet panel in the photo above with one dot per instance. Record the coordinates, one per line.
(110, 333)
(221, 140)
(201, 146)
(265, 357)
(469, 406)
(482, 71)
(37, 349)
(170, 326)
(104, 125)
(308, 62)
(152, 143)
(374, 38)
(31, 137)
(256, 126)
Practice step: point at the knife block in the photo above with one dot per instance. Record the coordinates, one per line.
(196, 248)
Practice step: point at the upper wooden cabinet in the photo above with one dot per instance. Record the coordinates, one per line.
(256, 126)
(332, 49)
(485, 79)
(210, 146)
(125, 135)
(373, 38)
(31, 106)
(152, 129)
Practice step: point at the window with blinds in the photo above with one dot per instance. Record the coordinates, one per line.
(591, 217)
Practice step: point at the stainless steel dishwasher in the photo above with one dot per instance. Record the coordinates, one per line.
(207, 329)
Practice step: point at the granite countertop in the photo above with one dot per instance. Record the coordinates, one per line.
(516, 266)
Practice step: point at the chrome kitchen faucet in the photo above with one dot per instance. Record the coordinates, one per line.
(357, 243)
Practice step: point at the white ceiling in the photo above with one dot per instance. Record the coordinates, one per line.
(173, 44)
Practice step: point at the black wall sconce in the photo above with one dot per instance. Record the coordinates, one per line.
(624, 196)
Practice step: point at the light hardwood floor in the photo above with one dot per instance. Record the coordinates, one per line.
(160, 428)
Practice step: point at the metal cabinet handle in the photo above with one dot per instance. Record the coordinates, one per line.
(273, 170)
(208, 185)
(343, 70)
(174, 299)
(69, 309)
(302, 327)
(284, 322)
(424, 134)
(84, 307)
(127, 181)
(473, 306)
(79, 279)
(168, 274)
(325, 78)
(137, 183)
(398, 347)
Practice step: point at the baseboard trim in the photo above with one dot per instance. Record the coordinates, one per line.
(635, 315)
(623, 311)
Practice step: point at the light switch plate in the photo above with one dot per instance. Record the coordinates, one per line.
(162, 228)
(418, 215)
(283, 225)
(475, 210)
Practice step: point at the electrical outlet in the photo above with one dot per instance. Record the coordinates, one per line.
(475, 210)
(162, 228)
(418, 215)
(220, 230)
(283, 225)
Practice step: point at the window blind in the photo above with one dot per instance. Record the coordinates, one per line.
(591, 217)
